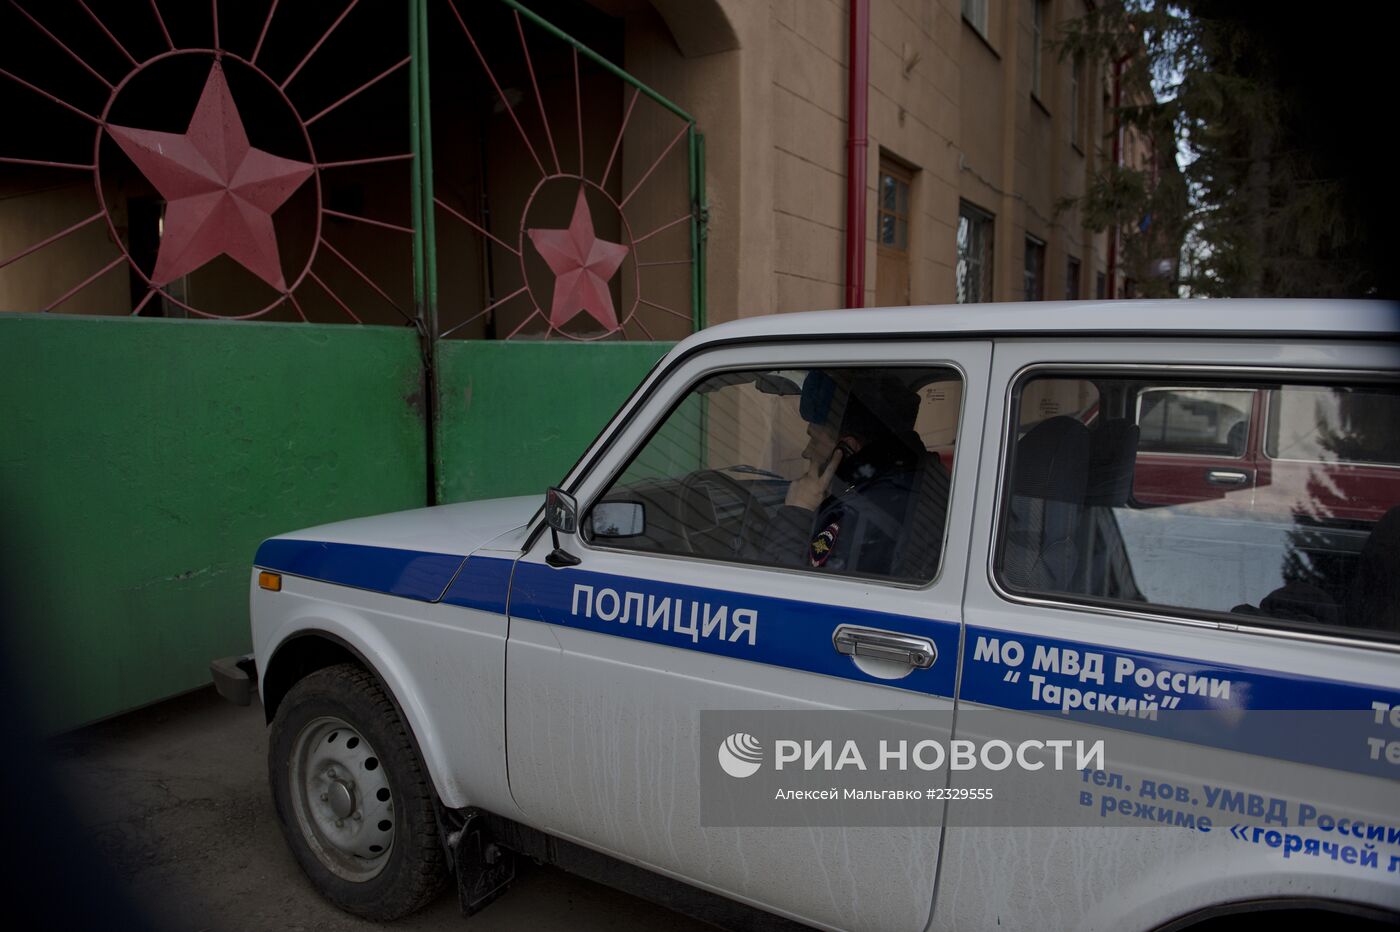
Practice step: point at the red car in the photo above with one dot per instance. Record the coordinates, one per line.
(1294, 449)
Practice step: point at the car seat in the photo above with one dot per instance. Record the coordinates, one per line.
(1374, 597)
(1048, 484)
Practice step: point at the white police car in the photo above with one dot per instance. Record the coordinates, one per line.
(1130, 511)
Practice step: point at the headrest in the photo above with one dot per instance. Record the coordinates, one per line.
(870, 405)
(818, 391)
(1112, 460)
(880, 405)
(1052, 461)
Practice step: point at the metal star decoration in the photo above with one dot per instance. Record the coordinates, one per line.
(582, 265)
(220, 192)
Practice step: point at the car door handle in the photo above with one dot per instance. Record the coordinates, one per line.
(852, 641)
(1227, 476)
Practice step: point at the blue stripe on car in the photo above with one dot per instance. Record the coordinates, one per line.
(797, 635)
(483, 584)
(1280, 715)
(1248, 688)
(411, 574)
(789, 633)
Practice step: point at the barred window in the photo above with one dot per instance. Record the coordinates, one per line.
(974, 269)
(1035, 269)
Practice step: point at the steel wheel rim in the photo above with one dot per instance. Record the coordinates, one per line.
(342, 799)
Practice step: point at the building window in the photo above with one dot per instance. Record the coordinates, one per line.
(892, 235)
(1102, 121)
(892, 227)
(1072, 279)
(975, 12)
(974, 255)
(1100, 286)
(1075, 76)
(1037, 40)
(1035, 269)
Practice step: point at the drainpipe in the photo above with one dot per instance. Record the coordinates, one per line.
(858, 112)
(1117, 163)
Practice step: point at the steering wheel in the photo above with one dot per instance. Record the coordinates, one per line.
(711, 536)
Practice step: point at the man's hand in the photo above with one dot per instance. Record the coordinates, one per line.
(809, 490)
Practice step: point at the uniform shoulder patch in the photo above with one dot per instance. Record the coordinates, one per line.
(819, 551)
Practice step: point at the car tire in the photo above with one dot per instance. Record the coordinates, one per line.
(352, 796)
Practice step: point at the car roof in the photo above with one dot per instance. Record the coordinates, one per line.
(1273, 318)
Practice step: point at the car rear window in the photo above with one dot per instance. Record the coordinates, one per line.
(1305, 533)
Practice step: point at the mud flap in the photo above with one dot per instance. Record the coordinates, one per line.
(484, 869)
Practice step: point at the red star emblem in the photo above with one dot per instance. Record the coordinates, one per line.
(582, 265)
(220, 192)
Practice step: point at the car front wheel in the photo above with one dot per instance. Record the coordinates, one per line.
(352, 796)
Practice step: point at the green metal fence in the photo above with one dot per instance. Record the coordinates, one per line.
(148, 458)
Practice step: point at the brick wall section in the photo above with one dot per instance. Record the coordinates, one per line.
(952, 104)
(809, 164)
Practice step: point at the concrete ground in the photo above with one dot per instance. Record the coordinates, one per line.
(174, 798)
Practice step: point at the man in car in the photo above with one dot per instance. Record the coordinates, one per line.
(872, 499)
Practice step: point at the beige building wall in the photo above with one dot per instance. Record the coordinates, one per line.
(33, 207)
(947, 102)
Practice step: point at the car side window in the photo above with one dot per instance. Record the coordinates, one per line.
(1194, 421)
(1096, 509)
(837, 470)
(1300, 427)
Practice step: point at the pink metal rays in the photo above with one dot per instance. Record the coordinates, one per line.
(221, 193)
(582, 265)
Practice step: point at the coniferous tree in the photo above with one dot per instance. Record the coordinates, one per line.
(1258, 208)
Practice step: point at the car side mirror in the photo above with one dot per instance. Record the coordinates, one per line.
(561, 511)
(561, 514)
(618, 519)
